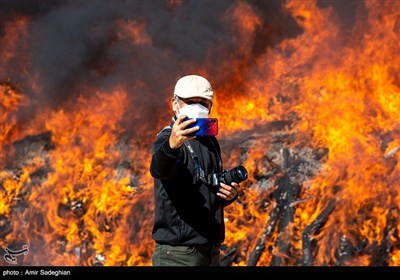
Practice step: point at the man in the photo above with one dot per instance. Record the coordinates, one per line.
(189, 219)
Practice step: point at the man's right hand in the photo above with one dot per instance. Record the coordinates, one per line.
(180, 134)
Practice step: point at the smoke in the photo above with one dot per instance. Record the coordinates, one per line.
(79, 47)
(84, 42)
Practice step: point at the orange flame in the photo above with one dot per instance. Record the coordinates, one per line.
(83, 192)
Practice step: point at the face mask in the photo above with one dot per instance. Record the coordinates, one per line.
(193, 111)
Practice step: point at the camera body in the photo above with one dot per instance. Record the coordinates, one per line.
(237, 174)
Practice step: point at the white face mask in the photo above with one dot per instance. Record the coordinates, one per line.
(193, 111)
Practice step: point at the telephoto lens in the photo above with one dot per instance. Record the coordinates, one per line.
(237, 174)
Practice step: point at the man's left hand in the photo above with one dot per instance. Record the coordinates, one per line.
(228, 192)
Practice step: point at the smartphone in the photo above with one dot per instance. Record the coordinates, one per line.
(207, 126)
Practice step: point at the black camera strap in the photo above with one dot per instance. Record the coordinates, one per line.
(200, 174)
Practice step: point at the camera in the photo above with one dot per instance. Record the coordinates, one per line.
(237, 174)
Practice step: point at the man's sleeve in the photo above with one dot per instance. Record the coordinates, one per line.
(164, 158)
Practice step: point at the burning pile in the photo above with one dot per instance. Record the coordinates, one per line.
(313, 116)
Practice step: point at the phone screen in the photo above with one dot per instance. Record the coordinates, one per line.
(207, 126)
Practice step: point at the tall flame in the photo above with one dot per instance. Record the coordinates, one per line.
(313, 118)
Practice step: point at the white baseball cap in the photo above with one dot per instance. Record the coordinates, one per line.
(193, 86)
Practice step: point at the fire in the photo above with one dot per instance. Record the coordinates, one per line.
(12, 40)
(313, 117)
(11, 101)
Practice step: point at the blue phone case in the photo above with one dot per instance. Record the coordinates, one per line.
(207, 126)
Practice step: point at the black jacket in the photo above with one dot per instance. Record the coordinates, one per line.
(186, 212)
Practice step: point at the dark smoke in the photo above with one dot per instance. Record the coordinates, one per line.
(76, 47)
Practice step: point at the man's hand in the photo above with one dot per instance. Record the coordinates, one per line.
(180, 134)
(228, 192)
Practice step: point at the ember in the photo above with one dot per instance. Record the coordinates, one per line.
(308, 100)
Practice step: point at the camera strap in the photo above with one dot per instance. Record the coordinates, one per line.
(200, 174)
